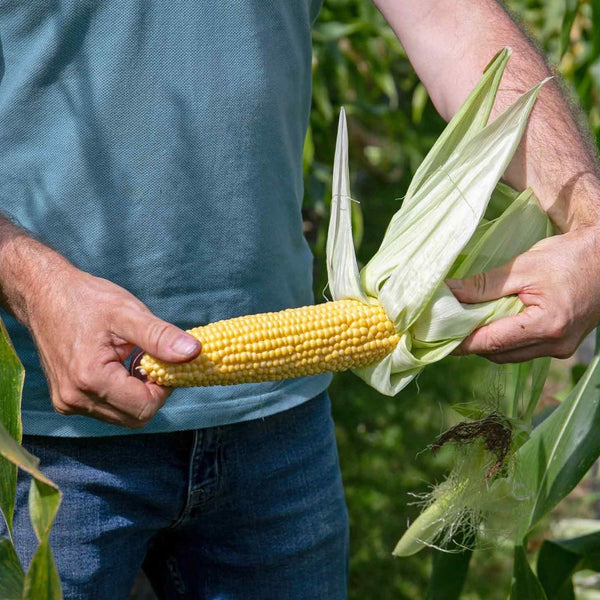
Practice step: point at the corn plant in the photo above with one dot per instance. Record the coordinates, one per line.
(41, 581)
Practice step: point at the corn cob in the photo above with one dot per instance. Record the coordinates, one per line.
(334, 336)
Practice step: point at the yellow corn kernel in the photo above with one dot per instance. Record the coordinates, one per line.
(334, 336)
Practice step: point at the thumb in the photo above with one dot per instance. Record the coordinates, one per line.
(157, 337)
(490, 285)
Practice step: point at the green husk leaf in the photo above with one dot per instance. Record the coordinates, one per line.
(445, 322)
(418, 252)
(342, 268)
(438, 232)
(471, 118)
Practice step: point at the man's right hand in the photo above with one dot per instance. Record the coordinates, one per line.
(84, 328)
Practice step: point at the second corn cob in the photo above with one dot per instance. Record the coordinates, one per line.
(333, 336)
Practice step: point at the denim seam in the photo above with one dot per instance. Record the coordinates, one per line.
(191, 469)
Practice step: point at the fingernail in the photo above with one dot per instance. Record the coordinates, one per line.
(454, 284)
(185, 345)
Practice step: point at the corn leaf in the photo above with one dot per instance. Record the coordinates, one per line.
(11, 572)
(511, 234)
(559, 559)
(560, 450)
(571, 7)
(11, 385)
(44, 500)
(525, 585)
(41, 580)
(448, 575)
(444, 321)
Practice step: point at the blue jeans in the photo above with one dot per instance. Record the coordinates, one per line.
(250, 511)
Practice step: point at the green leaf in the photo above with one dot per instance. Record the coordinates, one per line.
(333, 31)
(555, 567)
(11, 572)
(11, 385)
(419, 102)
(44, 500)
(308, 152)
(539, 373)
(595, 30)
(44, 496)
(41, 581)
(448, 574)
(560, 450)
(571, 7)
(525, 585)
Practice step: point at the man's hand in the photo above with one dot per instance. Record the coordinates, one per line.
(84, 328)
(557, 280)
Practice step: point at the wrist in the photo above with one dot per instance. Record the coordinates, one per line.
(578, 203)
(27, 269)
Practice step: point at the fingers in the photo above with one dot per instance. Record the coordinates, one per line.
(530, 334)
(159, 338)
(559, 308)
(491, 285)
(116, 398)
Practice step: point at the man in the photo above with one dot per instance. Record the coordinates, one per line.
(151, 153)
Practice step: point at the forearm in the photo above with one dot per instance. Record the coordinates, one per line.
(26, 268)
(450, 43)
(84, 328)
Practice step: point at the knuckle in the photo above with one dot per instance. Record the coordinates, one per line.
(61, 408)
(494, 345)
(158, 331)
(499, 360)
(480, 283)
(558, 329)
(144, 415)
(70, 402)
(562, 354)
(83, 380)
(135, 423)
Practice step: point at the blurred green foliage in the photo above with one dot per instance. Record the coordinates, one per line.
(358, 63)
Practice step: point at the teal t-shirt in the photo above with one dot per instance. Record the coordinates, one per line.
(159, 145)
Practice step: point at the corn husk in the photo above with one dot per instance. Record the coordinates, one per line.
(439, 232)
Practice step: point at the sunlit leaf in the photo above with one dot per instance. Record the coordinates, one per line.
(11, 572)
(11, 385)
(41, 581)
(560, 450)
